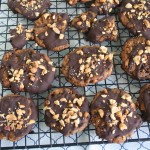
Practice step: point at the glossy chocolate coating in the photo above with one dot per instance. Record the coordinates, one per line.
(17, 116)
(30, 9)
(117, 118)
(70, 95)
(136, 58)
(135, 16)
(36, 71)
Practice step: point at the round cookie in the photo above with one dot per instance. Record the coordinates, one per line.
(17, 116)
(144, 102)
(49, 31)
(66, 111)
(26, 70)
(114, 115)
(135, 16)
(136, 58)
(30, 9)
(87, 65)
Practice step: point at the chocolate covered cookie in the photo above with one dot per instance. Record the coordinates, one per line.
(144, 102)
(87, 65)
(66, 111)
(135, 16)
(136, 58)
(19, 36)
(103, 6)
(114, 115)
(102, 30)
(83, 21)
(49, 31)
(30, 9)
(26, 70)
(17, 117)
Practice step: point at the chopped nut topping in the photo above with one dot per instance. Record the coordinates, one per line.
(86, 114)
(123, 105)
(148, 42)
(62, 123)
(61, 36)
(19, 29)
(74, 116)
(101, 113)
(56, 102)
(79, 23)
(127, 97)
(129, 5)
(113, 132)
(130, 114)
(137, 59)
(63, 100)
(112, 101)
(140, 52)
(122, 126)
(103, 95)
(52, 111)
(56, 117)
(77, 122)
(37, 14)
(21, 85)
(147, 49)
(88, 23)
(115, 32)
(46, 15)
(83, 17)
(11, 117)
(56, 30)
(114, 109)
(46, 33)
(103, 49)
(80, 52)
(31, 122)
(147, 23)
(11, 79)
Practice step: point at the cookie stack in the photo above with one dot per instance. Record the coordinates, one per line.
(112, 111)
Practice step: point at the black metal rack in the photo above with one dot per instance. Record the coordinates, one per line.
(42, 136)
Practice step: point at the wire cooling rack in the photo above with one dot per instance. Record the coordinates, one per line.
(42, 136)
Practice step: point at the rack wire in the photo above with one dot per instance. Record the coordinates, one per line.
(42, 136)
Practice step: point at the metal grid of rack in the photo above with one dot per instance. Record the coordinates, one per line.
(42, 136)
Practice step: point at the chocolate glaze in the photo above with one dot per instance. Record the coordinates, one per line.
(51, 41)
(144, 102)
(103, 130)
(17, 60)
(70, 95)
(8, 105)
(139, 71)
(32, 11)
(133, 24)
(103, 7)
(18, 40)
(99, 69)
(95, 33)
